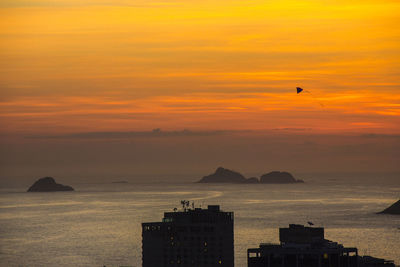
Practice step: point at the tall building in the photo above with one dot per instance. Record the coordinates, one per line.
(302, 247)
(192, 237)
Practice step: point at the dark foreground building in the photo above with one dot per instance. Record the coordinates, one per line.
(302, 247)
(307, 247)
(191, 237)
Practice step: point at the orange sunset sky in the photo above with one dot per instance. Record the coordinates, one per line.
(77, 66)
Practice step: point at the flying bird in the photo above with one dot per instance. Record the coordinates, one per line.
(310, 223)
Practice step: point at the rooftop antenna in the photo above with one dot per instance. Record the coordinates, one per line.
(185, 204)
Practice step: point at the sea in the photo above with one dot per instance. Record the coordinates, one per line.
(99, 224)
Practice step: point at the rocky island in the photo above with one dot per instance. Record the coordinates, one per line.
(222, 175)
(394, 209)
(278, 178)
(48, 184)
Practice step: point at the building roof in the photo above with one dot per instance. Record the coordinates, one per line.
(212, 214)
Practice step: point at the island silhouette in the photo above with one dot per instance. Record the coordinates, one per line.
(48, 184)
(393, 209)
(222, 175)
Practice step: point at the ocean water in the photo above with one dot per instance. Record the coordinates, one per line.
(100, 224)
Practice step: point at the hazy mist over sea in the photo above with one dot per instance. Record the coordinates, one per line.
(185, 156)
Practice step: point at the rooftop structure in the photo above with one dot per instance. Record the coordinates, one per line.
(190, 237)
(302, 247)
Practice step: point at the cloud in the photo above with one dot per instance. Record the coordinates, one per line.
(132, 134)
(373, 135)
(81, 3)
(292, 129)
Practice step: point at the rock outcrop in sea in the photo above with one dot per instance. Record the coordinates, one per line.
(48, 184)
(277, 177)
(393, 209)
(252, 180)
(223, 175)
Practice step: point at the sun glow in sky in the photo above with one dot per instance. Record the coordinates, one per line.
(97, 65)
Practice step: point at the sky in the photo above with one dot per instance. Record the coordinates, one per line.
(81, 78)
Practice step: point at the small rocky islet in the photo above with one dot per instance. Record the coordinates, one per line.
(48, 184)
(393, 209)
(222, 175)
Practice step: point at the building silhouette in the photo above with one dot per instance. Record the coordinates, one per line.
(302, 246)
(190, 237)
